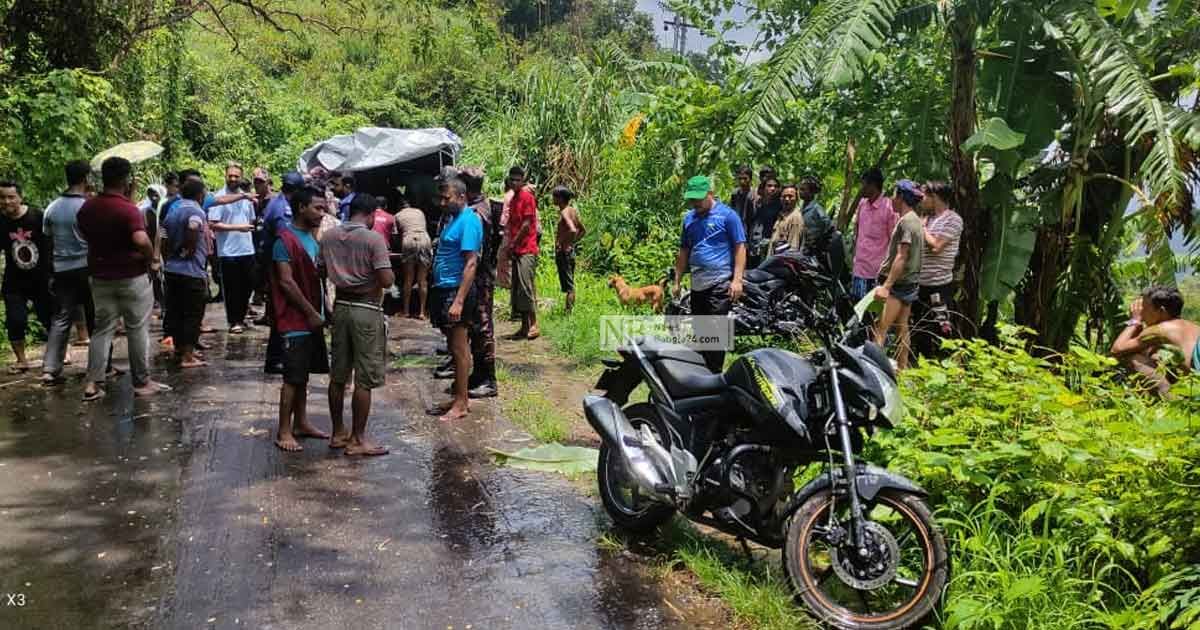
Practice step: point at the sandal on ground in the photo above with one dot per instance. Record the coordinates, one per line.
(93, 396)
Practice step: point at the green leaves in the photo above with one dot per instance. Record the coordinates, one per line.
(1012, 242)
(566, 460)
(993, 134)
(832, 47)
(1061, 503)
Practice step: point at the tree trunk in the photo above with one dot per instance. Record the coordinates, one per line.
(976, 219)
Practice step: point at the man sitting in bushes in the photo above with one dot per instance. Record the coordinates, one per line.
(1155, 323)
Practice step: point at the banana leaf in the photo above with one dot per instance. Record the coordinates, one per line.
(993, 134)
(1013, 236)
(566, 460)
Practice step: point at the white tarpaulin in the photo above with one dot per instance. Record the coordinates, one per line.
(373, 147)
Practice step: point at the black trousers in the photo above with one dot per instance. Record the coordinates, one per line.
(187, 297)
(72, 292)
(483, 336)
(712, 301)
(275, 346)
(237, 276)
(18, 297)
(928, 329)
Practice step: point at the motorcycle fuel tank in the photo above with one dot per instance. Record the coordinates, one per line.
(772, 385)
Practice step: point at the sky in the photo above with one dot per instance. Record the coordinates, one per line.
(697, 42)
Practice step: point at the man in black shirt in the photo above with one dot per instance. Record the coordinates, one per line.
(744, 198)
(483, 334)
(26, 266)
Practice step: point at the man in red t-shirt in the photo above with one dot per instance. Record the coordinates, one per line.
(119, 255)
(522, 236)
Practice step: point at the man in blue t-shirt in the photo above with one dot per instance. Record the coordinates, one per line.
(713, 249)
(452, 299)
(185, 252)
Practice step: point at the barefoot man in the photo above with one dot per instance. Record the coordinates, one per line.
(299, 315)
(1154, 323)
(453, 299)
(358, 263)
(186, 277)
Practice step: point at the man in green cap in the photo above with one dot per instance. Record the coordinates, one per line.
(713, 248)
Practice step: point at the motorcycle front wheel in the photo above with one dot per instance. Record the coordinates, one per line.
(625, 503)
(896, 586)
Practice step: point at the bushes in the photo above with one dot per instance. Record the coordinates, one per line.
(48, 120)
(1063, 503)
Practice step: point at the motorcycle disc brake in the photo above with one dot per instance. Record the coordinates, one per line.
(874, 570)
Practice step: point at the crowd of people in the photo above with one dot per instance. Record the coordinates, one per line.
(906, 245)
(319, 255)
(905, 248)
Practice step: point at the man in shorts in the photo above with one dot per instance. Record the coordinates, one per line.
(453, 300)
(523, 238)
(299, 315)
(901, 270)
(357, 262)
(570, 232)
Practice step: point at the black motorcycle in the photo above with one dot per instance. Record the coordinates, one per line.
(781, 295)
(859, 543)
(778, 297)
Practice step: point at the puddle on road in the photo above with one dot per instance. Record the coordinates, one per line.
(86, 493)
(517, 531)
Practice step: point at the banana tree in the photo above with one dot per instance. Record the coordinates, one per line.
(1075, 69)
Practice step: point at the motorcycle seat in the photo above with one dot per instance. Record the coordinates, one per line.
(757, 275)
(656, 349)
(688, 380)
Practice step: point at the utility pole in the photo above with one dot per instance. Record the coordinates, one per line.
(679, 42)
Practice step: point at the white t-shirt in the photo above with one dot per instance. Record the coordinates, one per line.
(231, 244)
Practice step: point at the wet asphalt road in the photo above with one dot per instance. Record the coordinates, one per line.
(178, 512)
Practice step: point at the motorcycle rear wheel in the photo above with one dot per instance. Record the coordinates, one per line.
(924, 571)
(618, 492)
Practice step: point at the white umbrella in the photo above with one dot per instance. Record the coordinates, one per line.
(135, 152)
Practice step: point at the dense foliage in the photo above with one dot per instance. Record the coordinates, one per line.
(1068, 496)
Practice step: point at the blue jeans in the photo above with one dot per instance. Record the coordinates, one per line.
(860, 287)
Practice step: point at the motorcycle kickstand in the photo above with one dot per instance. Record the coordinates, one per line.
(746, 550)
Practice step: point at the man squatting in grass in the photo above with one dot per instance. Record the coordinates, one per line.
(356, 259)
(296, 290)
(453, 299)
(1154, 322)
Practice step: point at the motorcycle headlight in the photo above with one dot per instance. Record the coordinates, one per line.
(893, 406)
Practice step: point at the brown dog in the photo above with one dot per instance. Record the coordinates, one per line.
(650, 294)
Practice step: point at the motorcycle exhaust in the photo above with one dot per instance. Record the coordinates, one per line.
(648, 463)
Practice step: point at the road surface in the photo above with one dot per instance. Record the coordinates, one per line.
(178, 512)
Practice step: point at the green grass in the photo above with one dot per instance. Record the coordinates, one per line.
(575, 335)
(531, 411)
(755, 590)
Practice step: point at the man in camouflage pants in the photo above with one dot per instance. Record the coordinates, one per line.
(483, 334)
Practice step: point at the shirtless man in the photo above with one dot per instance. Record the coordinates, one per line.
(570, 232)
(1155, 323)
